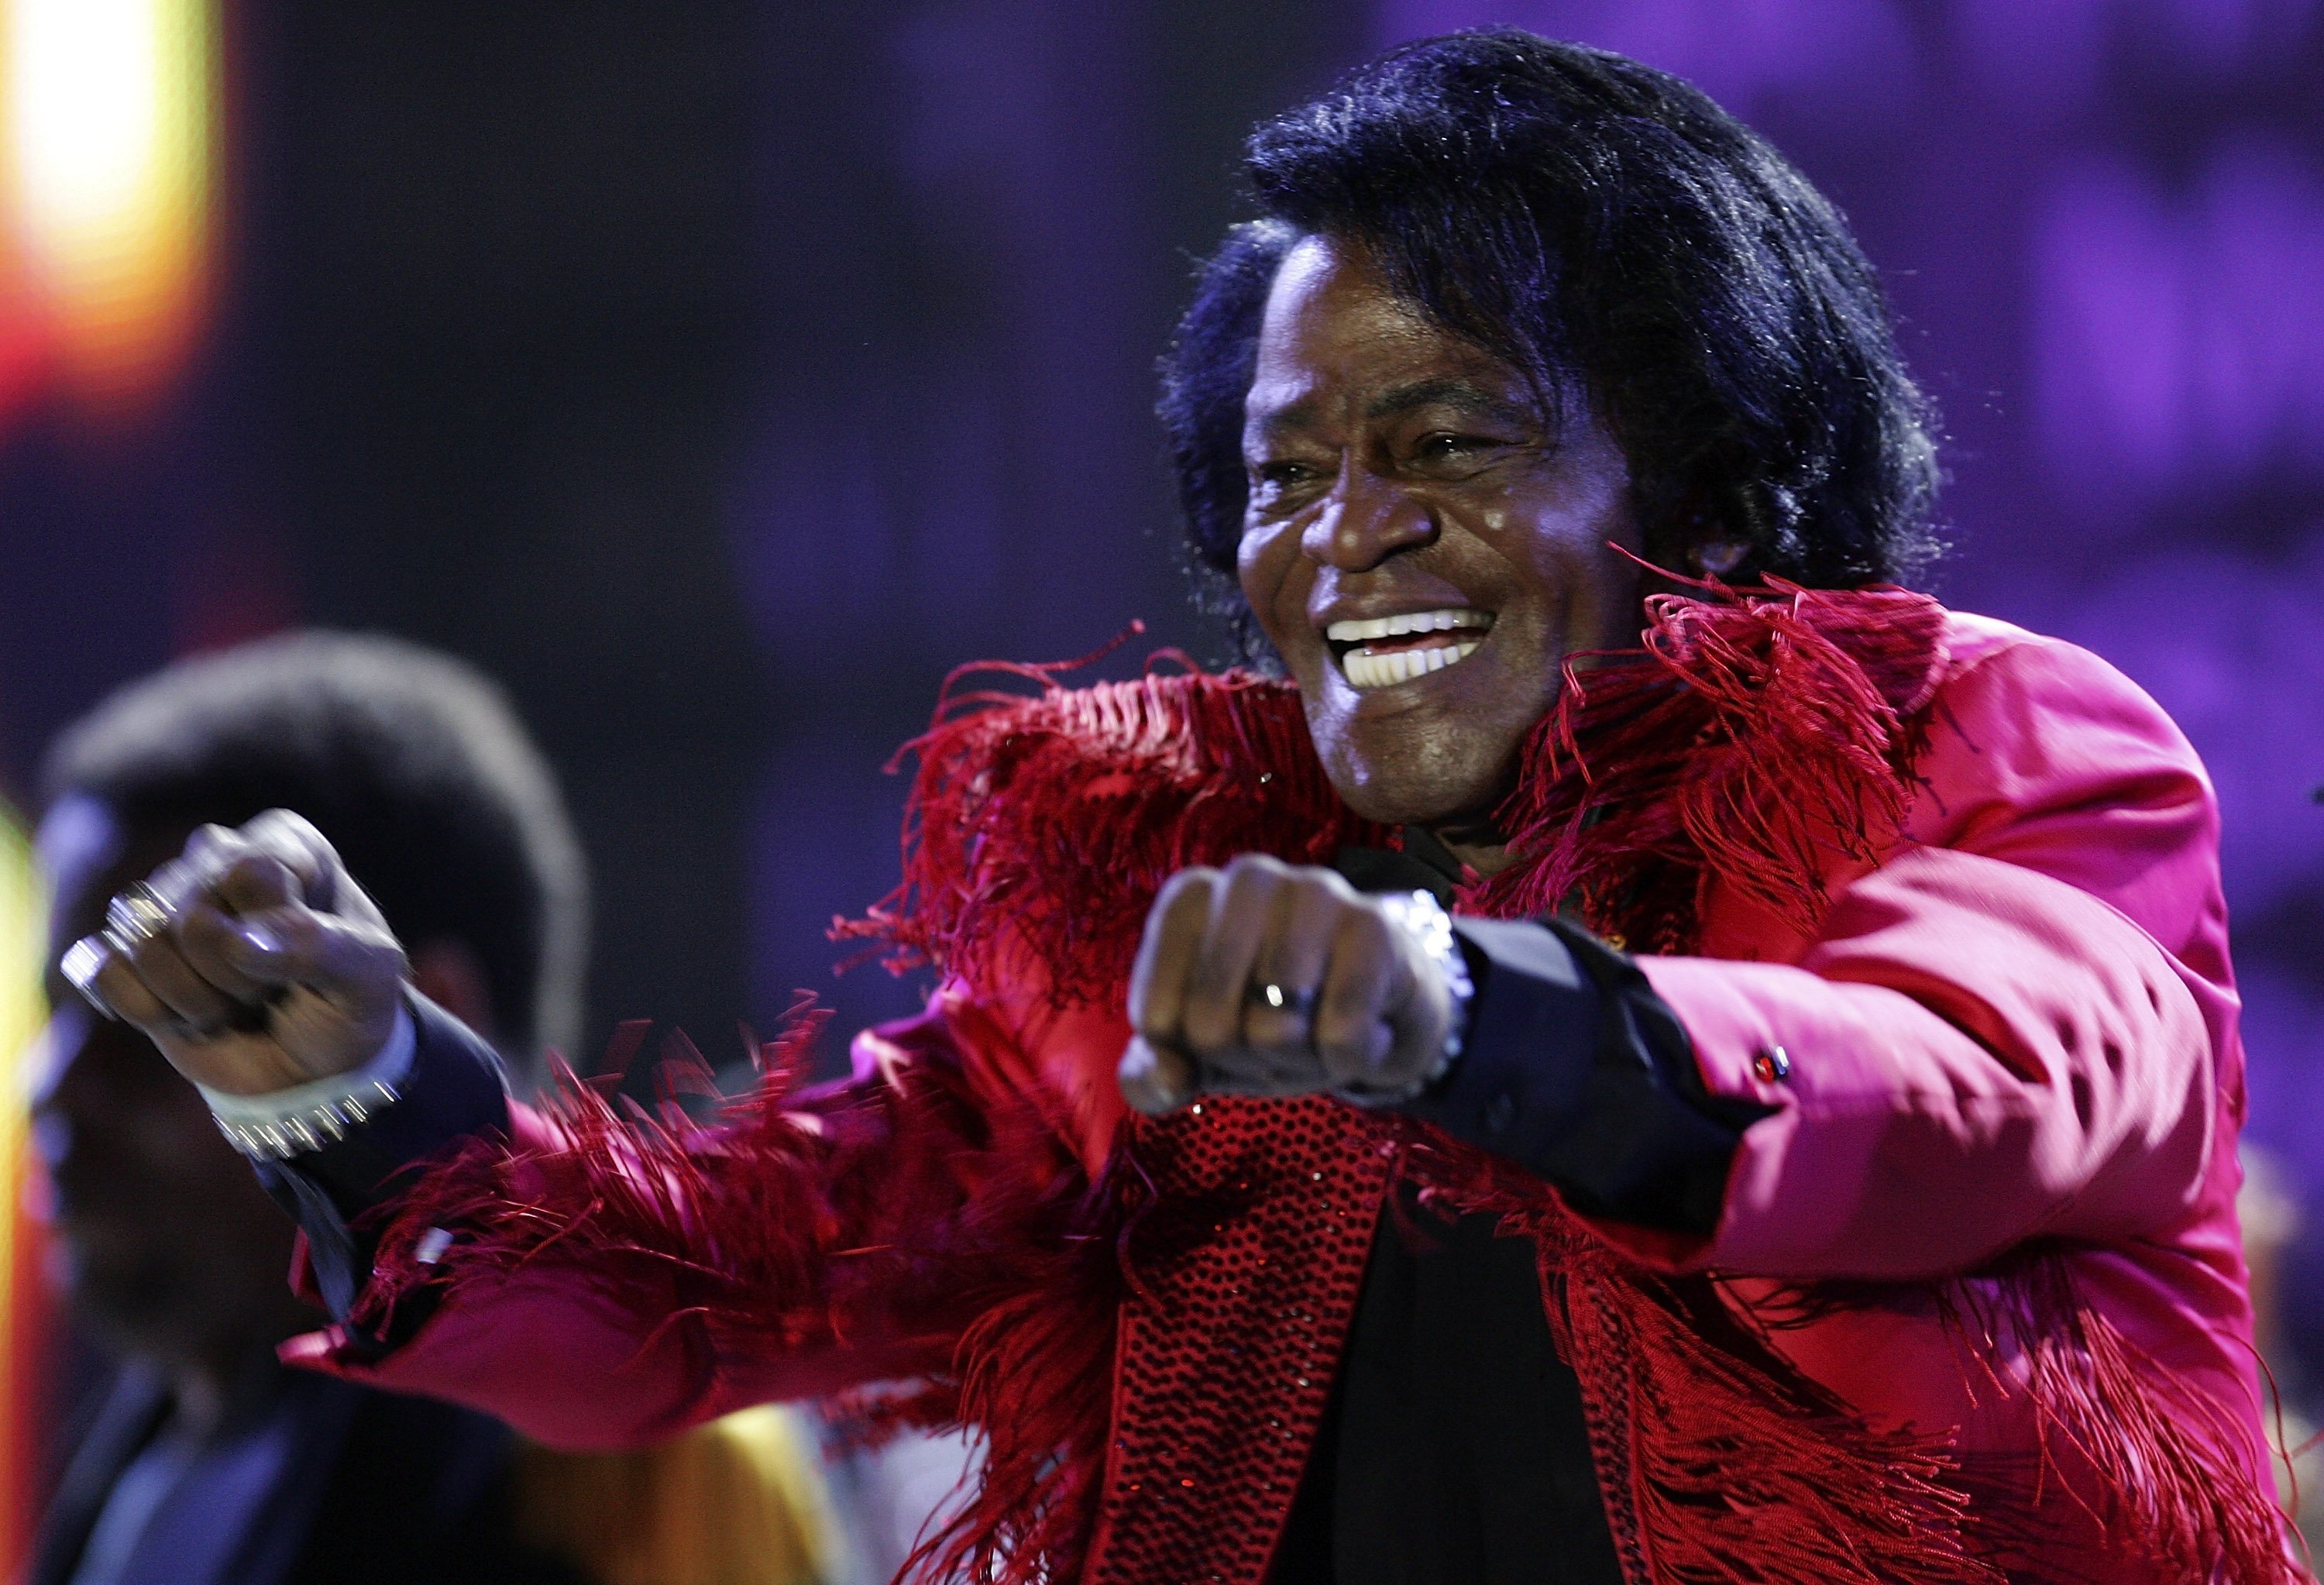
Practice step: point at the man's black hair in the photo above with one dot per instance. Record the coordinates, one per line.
(1607, 230)
(413, 765)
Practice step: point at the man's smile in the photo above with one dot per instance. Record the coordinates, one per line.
(1381, 652)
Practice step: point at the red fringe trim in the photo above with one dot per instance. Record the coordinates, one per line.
(1754, 741)
(1055, 820)
(1760, 740)
(2136, 1452)
(928, 1207)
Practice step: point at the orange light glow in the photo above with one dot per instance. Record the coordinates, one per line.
(106, 116)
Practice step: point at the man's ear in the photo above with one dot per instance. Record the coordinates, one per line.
(447, 973)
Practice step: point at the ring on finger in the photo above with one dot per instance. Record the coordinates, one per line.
(137, 916)
(83, 961)
(1268, 994)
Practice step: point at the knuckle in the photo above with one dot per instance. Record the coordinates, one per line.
(246, 869)
(291, 837)
(209, 840)
(1187, 880)
(1186, 892)
(1319, 886)
(1254, 875)
(272, 822)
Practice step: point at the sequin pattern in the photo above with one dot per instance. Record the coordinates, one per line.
(1246, 1274)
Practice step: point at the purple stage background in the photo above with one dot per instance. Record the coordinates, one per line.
(721, 375)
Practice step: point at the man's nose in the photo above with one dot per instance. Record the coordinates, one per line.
(1364, 521)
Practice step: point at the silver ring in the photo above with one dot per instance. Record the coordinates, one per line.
(136, 916)
(83, 961)
(1267, 993)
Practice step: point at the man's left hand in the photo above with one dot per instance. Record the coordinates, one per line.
(1266, 979)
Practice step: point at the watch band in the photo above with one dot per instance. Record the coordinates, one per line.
(284, 1123)
(1426, 920)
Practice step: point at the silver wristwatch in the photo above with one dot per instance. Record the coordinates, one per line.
(279, 1138)
(285, 1123)
(1420, 915)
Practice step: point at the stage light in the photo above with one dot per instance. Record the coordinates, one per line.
(105, 110)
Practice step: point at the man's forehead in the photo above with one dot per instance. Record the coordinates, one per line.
(1335, 342)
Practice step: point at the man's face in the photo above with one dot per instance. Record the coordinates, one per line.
(1423, 547)
(168, 1244)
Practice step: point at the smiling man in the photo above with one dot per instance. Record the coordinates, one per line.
(1643, 1051)
(1413, 505)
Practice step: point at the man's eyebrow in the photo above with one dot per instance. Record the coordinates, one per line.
(1447, 392)
(1276, 421)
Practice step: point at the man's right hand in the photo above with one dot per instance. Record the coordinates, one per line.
(266, 966)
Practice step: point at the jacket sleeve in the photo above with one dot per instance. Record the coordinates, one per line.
(1573, 1070)
(600, 1280)
(454, 1088)
(2021, 1023)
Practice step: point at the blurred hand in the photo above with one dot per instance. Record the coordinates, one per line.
(266, 967)
(1263, 979)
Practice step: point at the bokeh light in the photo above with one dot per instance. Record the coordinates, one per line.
(105, 164)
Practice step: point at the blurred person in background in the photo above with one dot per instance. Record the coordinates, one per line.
(1645, 1051)
(207, 1463)
(2271, 1218)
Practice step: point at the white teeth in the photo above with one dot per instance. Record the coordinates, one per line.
(1410, 622)
(1365, 671)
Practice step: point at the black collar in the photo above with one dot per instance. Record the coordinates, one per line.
(1421, 864)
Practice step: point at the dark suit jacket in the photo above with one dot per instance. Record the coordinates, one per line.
(377, 1490)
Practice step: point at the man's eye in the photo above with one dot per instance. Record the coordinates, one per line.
(1282, 475)
(1447, 447)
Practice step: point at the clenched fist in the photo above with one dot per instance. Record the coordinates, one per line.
(1264, 979)
(253, 960)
